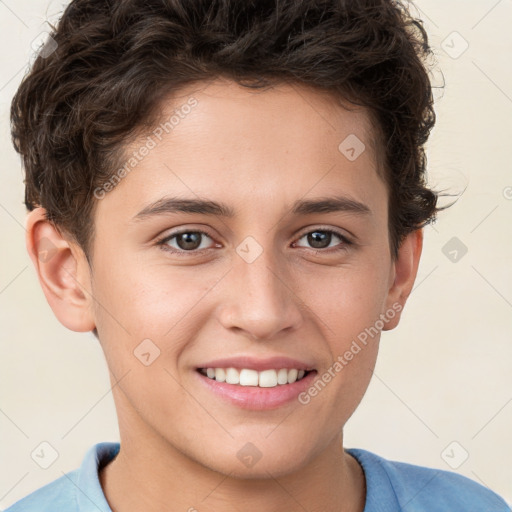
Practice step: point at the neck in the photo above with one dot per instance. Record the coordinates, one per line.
(153, 476)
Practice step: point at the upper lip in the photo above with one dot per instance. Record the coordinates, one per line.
(251, 363)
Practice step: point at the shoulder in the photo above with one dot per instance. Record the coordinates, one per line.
(418, 488)
(57, 495)
(77, 491)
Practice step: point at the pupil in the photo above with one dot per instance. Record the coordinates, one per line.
(319, 239)
(189, 240)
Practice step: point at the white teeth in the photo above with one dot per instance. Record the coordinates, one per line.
(282, 376)
(292, 375)
(268, 379)
(247, 377)
(232, 376)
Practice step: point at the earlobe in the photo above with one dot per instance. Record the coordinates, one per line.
(62, 270)
(405, 271)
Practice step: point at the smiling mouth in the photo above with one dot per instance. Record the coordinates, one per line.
(247, 377)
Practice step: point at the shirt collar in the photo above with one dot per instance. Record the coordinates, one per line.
(380, 496)
(88, 492)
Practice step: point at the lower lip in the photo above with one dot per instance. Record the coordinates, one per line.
(256, 398)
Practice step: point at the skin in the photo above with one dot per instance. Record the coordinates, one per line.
(258, 152)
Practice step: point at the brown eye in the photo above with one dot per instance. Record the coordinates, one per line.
(322, 238)
(188, 241)
(185, 241)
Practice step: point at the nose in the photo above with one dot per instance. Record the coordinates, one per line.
(259, 299)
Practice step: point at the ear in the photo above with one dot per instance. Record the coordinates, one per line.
(402, 276)
(63, 272)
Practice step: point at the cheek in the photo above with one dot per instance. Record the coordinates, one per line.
(348, 308)
(148, 299)
(347, 301)
(135, 301)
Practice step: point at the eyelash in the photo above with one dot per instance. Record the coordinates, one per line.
(163, 242)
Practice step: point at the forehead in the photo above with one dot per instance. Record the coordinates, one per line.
(220, 137)
(293, 111)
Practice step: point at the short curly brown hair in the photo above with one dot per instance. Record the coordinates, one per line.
(115, 60)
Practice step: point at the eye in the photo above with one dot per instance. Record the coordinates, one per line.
(322, 238)
(195, 241)
(185, 241)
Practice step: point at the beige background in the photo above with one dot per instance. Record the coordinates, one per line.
(443, 375)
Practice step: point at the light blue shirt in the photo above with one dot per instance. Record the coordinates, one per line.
(390, 487)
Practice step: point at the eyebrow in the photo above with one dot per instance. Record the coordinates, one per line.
(168, 205)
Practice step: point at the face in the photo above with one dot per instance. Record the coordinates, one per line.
(289, 274)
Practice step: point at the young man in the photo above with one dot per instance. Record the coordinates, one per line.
(229, 194)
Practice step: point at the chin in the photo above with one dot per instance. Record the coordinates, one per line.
(257, 460)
